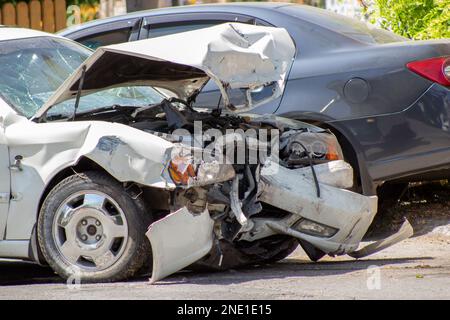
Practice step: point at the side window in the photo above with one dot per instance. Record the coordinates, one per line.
(172, 28)
(106, 38)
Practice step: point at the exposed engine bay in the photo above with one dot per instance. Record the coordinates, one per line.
(251, 141)
(254, 207)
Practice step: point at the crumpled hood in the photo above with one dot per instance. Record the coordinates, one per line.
(234, 55)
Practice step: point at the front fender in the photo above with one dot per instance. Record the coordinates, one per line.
(129, 154)
(126, 153)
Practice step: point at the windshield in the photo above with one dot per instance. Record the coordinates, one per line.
(132, 96)
(32, 69)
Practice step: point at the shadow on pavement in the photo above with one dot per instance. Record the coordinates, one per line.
(285, 269)
(23, 273)
(13, 273)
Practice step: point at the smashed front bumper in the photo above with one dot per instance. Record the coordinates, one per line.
(335, 222)
(346, 215)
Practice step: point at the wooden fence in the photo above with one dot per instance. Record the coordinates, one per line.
(46, 15)
(51, 15)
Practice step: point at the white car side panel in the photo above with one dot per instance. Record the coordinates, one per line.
(5, 110)
(15, 249)
(126, 153)
(4, 182)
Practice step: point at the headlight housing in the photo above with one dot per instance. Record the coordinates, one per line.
(320, 146)
(184, 171)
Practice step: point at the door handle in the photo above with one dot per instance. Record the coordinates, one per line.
(17, 166)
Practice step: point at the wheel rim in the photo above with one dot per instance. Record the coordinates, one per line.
(90, 230)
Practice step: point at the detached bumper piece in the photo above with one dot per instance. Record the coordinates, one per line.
(405, 231)
(178, 240)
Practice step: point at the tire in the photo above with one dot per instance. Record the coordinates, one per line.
(286, 248)
(91, 230)
(243, 253)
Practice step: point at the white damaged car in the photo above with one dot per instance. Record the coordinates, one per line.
(116, 172)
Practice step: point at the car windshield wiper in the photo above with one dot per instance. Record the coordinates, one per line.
(115, 107)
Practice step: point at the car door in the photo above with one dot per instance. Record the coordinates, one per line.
(157, 26)
(5, 181)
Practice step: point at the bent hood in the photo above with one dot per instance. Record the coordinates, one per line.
(234, 55)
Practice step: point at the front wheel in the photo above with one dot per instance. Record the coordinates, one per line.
(91, 229)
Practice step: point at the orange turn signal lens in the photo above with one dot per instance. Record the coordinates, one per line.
(181, 169)
(334, 151)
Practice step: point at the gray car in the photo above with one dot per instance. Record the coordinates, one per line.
(386, 98)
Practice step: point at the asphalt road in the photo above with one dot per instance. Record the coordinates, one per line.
(418, 268)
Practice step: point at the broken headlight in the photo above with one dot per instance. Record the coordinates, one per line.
(182, 169)
(185, 171)
(320, 146)
(313, 228)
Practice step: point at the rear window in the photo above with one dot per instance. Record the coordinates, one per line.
(349, 27)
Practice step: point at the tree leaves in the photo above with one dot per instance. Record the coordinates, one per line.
(415, 19)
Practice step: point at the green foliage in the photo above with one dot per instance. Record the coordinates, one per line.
(415, 19)
(80, 2)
